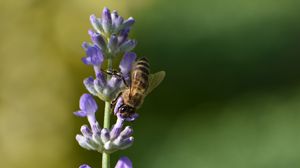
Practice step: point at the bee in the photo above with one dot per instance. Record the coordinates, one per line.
(141, 84)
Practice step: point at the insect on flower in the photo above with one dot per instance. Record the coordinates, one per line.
(124, 88)
(141, 84)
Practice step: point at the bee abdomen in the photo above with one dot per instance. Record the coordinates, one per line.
(136, 100)
(140, 75)
(142, 65)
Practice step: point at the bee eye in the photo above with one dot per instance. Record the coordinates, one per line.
(122, 109)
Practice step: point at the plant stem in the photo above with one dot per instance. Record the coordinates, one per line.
(105, 160)
(106, 124)
(107, 112)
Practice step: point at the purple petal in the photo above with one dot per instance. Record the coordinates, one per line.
(114, 82)
(84, 166)
(124, 162)
(128, 23)
(114, 18)
(80, 113)
(106, 20)
(117, 22)
(97, 39)
(101, 78)
(96, 23)
(91, 119)
(89, 84)
(94, 56)
(125, 143)
(113, 42)
(86, 60)
(100, 82)
(123, 36)
(128, 45)
(83, 142)
(116, 129)
(118, 104)
(96, 128)
(86, 45)
(105, 135)
(127, 132)
(131, 118)
(126, 63)
(86, 131)
(114, 15)
(106, 16)
(88, 104)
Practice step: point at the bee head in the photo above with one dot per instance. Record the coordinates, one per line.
(126, 110)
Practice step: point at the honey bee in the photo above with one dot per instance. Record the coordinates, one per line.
(142, 83)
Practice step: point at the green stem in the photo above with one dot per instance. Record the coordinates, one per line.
(106, 124)
(105, 160)
(107, 112)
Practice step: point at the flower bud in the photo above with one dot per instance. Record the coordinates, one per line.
(94, 56)
(105, 135)
(128, 23)
(128, 131)
(86, 143)
(123, 36)
(106, 20)
(98, 39)
(89, 85)
(114, 17)
(113, 44)
(85, 130)
(126, 143)
(88, 104)
(128, 45)
(96, 23)
(97, 138)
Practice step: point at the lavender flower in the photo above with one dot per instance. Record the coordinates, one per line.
(110, 39)
(88, 108)
(115, 29)
(94, 56)
(101, 140)
(98, 39)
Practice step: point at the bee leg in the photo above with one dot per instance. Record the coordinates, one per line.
(124, 81)
(109, 72)
(113, 103)
(117, 74)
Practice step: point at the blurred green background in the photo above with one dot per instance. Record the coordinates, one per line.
(231, 98)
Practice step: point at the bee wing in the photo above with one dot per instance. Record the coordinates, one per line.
(154, 80)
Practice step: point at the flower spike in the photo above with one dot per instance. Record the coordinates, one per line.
(109, 40)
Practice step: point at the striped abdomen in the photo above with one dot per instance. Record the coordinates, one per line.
(139, 83)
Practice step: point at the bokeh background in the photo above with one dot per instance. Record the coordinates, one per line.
(231, 98)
